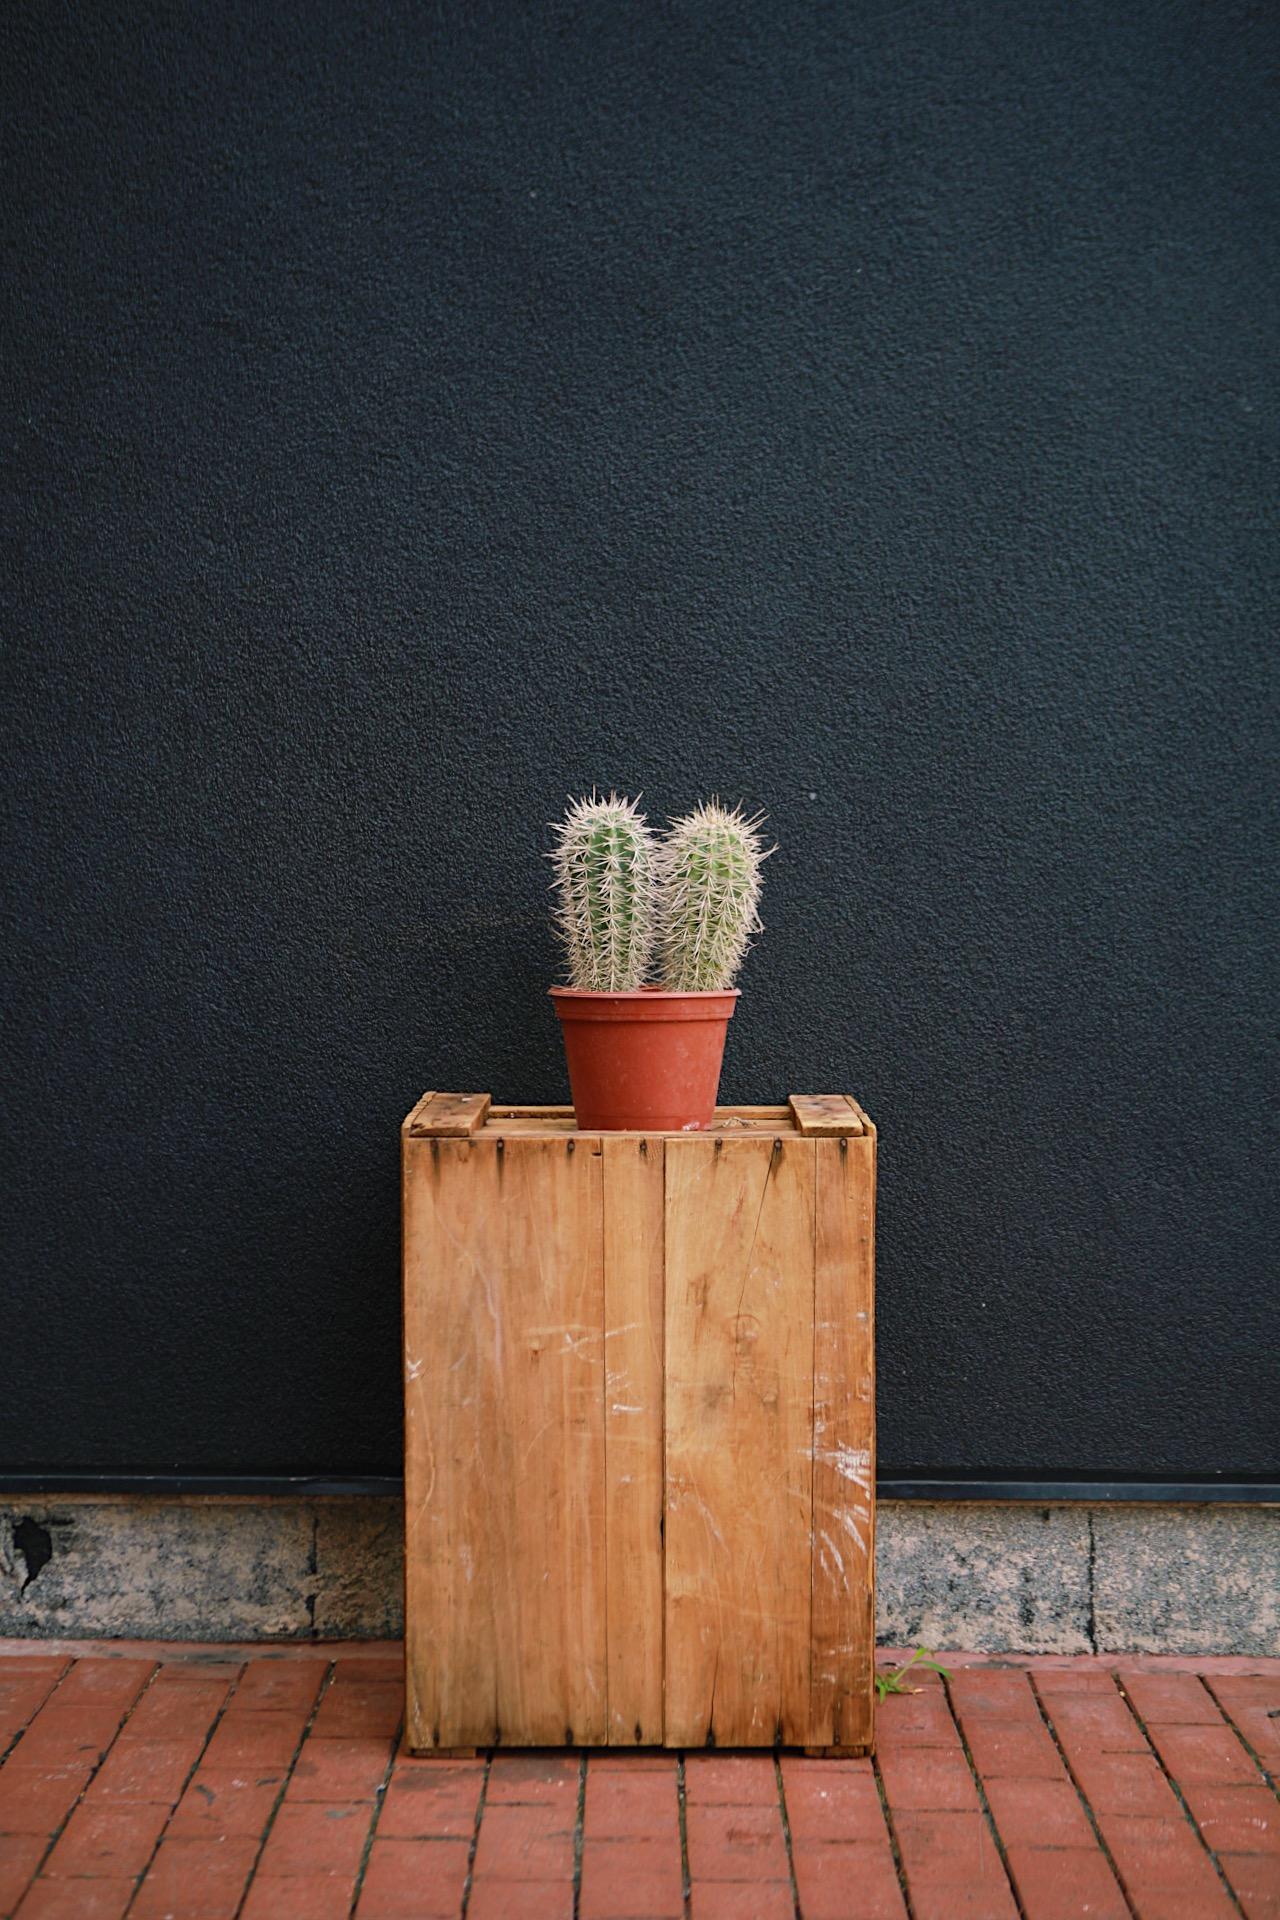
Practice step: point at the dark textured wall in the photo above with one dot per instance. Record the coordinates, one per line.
(416, 413)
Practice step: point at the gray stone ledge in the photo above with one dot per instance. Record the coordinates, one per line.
(1202, 1579)
(988, 1578)
(997, 1579)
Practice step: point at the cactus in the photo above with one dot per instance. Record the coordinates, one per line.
(708, 892)
(604, 862)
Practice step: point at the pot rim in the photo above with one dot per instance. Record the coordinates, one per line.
(646, 994)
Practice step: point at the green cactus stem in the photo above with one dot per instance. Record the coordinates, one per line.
(708, 895)
(604, 865)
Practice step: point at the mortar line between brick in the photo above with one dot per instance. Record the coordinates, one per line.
(278, 1802)
(1089, 1814)
(379, 1802)
(1192, 1822)
(682, 1806)
(140, 1882)
(786, 1833)
(982, 1798)
(39, 1707)
(54, 1838)
(578, 1825)
(1271, 1780)
(475, 1835)
(886, 1814)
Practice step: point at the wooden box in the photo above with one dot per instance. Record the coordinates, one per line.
(639, 1429)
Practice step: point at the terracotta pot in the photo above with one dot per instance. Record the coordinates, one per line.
(643, 1062)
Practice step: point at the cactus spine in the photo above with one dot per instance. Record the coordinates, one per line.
(709, 890)
(603, 861)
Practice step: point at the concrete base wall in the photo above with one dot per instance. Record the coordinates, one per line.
(997, 1578)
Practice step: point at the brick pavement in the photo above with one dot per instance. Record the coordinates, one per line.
(213, 1783)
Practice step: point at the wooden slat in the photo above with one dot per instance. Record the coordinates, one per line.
(548, 1125)
(537, 1334)
(530, 1113)
(633, 1435)
(843, 1631)
(504, 1444)
(509, 1112)
(449, 1115)
(739, 1358)
(819, 1115)
(415, 1112)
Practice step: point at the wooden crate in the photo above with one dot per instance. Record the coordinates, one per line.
(639, 1429)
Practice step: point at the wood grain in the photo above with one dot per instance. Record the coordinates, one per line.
(449, 1115)
(639, 1429)
(504, 1444)
(415, 1113)
(819, 1115)
(843, 1627)
(551, 1113)
(739, 1359)
(555, 1125)
(633, 1421)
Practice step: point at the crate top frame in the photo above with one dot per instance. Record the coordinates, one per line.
(477, 1116)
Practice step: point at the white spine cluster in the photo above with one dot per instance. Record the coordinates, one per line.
(708, 898)
(604, 883)
(619, 892)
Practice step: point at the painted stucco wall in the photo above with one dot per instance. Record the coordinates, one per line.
(414, 414)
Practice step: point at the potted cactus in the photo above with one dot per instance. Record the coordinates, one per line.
(643, 1054)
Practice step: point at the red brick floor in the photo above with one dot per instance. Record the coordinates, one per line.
(264, 1783)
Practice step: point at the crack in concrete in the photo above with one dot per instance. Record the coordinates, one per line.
(1092, 1627)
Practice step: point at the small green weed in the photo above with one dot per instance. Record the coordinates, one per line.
(887, 1683)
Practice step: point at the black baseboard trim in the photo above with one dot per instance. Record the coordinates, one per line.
(1036, 1492)
(937, 1487)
